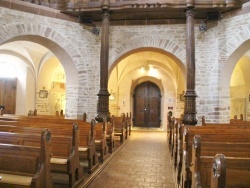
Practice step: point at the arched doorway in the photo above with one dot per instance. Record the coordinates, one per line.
(31, 55)
(147, 105)
(234, 82)
(239, 88)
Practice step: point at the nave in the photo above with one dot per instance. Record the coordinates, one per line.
(143, 161)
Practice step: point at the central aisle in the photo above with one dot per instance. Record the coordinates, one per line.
(143, 162)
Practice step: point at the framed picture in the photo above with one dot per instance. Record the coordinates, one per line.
(43, 94)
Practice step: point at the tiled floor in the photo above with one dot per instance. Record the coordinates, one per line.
(143, 162)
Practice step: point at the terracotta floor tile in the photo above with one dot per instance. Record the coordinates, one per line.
(143, 162)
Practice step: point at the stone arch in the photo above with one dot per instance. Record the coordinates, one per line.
(232, 52)
(230, 55)
(140, 49)
(154, 44)
(61, 46)
(143, 42)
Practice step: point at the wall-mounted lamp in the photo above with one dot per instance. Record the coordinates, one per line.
(203, 26)
(95, 30)
(88, 21)
(112, 95)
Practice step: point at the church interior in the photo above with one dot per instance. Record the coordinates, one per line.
(120, 80)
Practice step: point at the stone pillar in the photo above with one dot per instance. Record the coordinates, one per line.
(103, 95)
(189, 117)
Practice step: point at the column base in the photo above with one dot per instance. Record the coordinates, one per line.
(99, 117)
(190, 119)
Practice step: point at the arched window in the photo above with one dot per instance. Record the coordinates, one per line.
(7, 70)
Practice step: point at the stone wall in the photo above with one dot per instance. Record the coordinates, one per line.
(79, 52)
(217, 53)
(75, 46)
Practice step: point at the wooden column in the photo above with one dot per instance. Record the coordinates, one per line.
(103, 95)
(189, 117)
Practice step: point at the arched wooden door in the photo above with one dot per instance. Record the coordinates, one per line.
(8, 94)
(147, 105)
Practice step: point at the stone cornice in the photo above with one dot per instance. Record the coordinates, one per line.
(36, 9)
(130, 12)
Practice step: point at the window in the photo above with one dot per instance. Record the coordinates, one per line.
(7, 70)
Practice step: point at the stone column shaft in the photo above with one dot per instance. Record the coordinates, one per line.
(103, 95)
(190, 95)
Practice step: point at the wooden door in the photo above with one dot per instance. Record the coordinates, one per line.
(8, 94)
(147, 105)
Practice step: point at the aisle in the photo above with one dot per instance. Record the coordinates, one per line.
(143, 162)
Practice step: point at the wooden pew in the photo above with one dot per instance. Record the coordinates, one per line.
(101, 141)
(65, 154)
(24, 165)
(234, 121)
(203, 152)
(179, 136)
(218, 171)
(100, 138)
(175, 141)
(173, 131)
(174, 126)
(204, 123)
(65, 144)
(169, 130)
(87, 147)
(120, 127)
(210, 133)
(128, 122)
(230, 172)
(110, 135)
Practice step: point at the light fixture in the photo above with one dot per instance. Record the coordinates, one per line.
(95, 30)
(88, 21)
(203, 26)
(112, 95)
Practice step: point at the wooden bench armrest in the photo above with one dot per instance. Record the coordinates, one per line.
(40, 173)
(218, 171)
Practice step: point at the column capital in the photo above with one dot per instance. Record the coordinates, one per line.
(105, 5)
(190, 3)
(190, 12)
(106, 14)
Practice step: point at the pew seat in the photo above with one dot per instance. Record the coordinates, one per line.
(64, 147)
(25, 166)
(101, 141)
(12, 179)
(120, 127)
